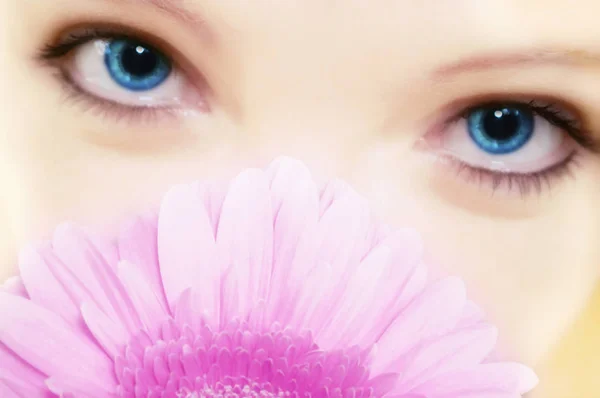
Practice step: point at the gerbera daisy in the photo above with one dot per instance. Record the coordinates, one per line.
(267, 286)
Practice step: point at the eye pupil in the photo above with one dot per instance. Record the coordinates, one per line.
(136, 66)
(138, 60)
(502, 124)
(501, 129)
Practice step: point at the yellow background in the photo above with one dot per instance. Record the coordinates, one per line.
(574, 368)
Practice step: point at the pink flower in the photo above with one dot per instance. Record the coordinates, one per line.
(268, 287)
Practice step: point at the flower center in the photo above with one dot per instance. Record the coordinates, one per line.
(238, 362)
(223, 391)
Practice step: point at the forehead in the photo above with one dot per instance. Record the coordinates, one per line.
(551, 22)
(401, 9)
(394, 8)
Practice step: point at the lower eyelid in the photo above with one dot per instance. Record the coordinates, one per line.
(519, 184)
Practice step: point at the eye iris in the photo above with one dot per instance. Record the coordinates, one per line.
(501, 129)
(136, 66)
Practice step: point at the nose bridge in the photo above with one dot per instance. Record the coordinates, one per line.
(303, 91)
(300, 78)
(306, 116)
(327, 146)
(305, 101)
(287, 98)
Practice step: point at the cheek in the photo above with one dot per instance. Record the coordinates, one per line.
(530, 270)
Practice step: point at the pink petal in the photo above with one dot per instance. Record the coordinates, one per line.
(245, 240)
(145, 299)
(50, 344)
(44, 288)
(88, 275)
(374, 295)
(110, 335)
(137, 245)
(14, 286)
(296, 207)
(186, 248)
(477, 394)
(525, 378)
(19, 377)
(316, 290)
(7, 392)
(342, 231)
(107, 247)
(75, 386)
(333, 191)
(472, 316)
(436, 310)
(189, 311)
(357, 298)
(338, 241)
(491, 380)
(463, 349)
(213, 195)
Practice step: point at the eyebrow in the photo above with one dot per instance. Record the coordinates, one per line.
(533, 57)
(176, 9)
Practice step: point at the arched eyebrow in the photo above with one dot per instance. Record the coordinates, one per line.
(532, 57)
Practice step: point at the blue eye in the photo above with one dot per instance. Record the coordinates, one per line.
(136, 66)
(501, 129)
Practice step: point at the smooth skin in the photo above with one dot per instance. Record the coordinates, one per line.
(352, 88)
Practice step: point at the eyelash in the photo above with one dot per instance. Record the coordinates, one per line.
(53, 52)
(525, 183)
(71, 41)
(107, 108)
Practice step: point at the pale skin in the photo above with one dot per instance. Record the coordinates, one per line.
(354, 89)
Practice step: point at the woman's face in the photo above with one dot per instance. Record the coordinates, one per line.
(475, 121)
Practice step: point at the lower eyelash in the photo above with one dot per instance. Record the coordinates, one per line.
(73, 93)
(523, 183)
